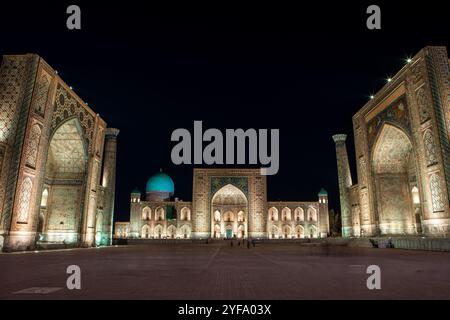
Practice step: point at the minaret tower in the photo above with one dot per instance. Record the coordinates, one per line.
(135, 213)
(323, 213)
(109, 183)
(345, 182)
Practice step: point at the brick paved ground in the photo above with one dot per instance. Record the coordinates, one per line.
(217, 271)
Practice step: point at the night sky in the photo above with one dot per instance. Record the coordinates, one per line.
(151, 70)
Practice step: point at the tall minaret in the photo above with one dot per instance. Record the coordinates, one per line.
(345, 182)
(109, 183)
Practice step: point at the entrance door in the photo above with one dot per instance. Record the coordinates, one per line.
(229, 233)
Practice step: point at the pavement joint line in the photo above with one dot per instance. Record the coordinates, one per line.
(52, 250)
(212, 258)
(267, 259)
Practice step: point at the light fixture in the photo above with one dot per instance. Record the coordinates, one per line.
(372, 96)
(56, 71)
(408, 60)
(389, 79)
(70, 88)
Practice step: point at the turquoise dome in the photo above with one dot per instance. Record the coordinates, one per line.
(160, 182)
(323, 192)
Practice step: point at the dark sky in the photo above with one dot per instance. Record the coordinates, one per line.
(149, 70)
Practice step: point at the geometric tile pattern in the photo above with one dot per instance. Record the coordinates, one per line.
(31, 149)
(64, 213)
(422, 101)
(11, 84)
(392, 151)
(67, 156)
(41, 94)
(436, 193)
(66, 106)
(24, 200)
(430, 148)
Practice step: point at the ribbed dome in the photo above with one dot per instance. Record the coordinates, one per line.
(160, 182)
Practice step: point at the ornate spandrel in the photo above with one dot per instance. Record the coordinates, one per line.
(66, 106)
(396, 113)
(219, 182)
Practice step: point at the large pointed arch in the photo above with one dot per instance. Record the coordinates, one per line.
(394, 168)
(66, 174)
(228, 205)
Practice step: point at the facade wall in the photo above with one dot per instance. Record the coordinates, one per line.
(149, 220)
(218, 195)
(297, 219)
(402, 147)
(34, 103)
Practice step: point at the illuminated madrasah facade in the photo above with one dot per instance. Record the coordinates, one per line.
(57, 161)
(403, 154)
(227, 203)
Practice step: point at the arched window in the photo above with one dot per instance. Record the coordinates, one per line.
(299, 232)
(185, 231)
(171, 232)
(158, 231)
(273, 214)
(217, 215)
(146, 213)
(228, 216)
(145, 231)
(159, 214)
(299, 214)
(312, 214)
(313, 232)
(216, 231)
(286, 232)
(44, 198)
(274, 232)
(415, 195)
(241, 216)
(185, 214)
(286, 214)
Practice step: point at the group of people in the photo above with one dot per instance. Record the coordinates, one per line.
(251, 242)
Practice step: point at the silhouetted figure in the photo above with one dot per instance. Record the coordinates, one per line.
(253, 243)
(390, 244)
(374, 243)
(248, 244)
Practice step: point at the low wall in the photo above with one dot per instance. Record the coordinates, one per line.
(431, 244)
(409, 243)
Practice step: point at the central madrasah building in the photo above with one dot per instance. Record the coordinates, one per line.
(226, 203)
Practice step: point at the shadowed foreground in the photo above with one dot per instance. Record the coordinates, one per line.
(218, 271)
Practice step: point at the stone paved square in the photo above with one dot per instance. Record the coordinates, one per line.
(218, 271)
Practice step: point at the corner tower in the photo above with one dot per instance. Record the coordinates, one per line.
(109, 184)
(345, 182)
